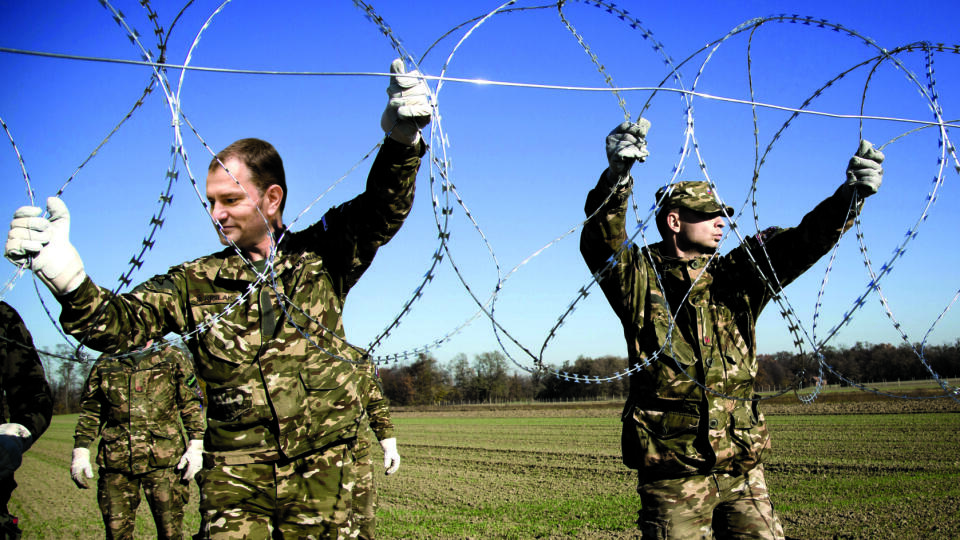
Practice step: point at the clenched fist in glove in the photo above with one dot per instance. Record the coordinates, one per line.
(391, 459)
(44, 244)
(408, 110)
(864, 173)
(80, 468)
(626, 144)
(192, 460)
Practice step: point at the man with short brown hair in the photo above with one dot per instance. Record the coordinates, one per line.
(263, 320)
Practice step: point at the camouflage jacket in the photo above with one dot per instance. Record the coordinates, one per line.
(272, 393)
(27, 399)
(131, 402)
(672, 428)
(376, 408)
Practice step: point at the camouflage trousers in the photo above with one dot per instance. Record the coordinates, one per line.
(303, 498)
(713, 506)
(118, 494)
(364, 492)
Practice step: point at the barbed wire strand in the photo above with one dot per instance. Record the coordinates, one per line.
(446, 184)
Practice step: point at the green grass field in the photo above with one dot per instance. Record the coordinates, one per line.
(48, 503)
(854, 468)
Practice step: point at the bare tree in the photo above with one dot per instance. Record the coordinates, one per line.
(67, 369)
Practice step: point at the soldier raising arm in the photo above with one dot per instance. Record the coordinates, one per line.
(283, 410)
(689, 320)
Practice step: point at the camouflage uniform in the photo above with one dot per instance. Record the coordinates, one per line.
(673, 431)
(129, 402)
(273, 397)
(26, 399)
(376, 407)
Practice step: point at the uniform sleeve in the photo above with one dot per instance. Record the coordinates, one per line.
(91, 403)
(602, 239)
(111, 322)
(188, 399)
(782, 255)
(24, 385)
(378, 410)
(354, 231)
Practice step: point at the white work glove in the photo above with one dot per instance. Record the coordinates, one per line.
(626, 144)
(192, 460)
(864, 173)
(391, 459)
(47, 240)
(408, 110)
(14, 441)
(80, 467)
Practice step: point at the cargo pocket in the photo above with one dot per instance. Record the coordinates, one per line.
(633, 439)
(115, 387)
(332, 398)
(750, 434)
(114, 449)
(166, 448)
(658, 439)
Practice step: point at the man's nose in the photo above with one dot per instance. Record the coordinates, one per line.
(217, 212)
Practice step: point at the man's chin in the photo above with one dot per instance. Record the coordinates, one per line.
(225, 240)
(231, 242)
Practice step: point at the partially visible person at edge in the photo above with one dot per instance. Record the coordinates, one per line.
(689, 318)
(377, 409)
(26, 407)
(136, 403)
(283, 408)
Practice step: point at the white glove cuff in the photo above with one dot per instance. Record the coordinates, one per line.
(389, 445)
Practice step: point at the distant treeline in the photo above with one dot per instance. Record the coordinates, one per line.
(489, 377)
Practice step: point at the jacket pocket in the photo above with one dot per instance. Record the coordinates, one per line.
(114, 451)
(750, 434)
(658, 439)
(166, 447)
(332, 397)
(115, 385)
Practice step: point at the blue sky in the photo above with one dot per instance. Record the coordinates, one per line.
(522, 158)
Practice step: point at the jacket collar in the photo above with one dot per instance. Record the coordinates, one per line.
(235, 268)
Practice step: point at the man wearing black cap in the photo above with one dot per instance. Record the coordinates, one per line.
(691, 426)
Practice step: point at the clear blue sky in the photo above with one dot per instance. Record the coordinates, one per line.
(522, 158)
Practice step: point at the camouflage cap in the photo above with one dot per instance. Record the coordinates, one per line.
(692, 194)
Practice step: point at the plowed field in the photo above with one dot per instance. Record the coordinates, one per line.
(852, 466)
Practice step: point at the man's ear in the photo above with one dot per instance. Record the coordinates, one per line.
(673, 220)
(273, 196)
